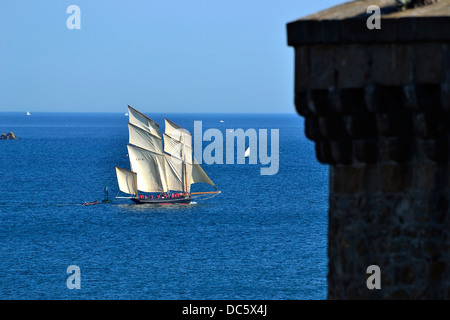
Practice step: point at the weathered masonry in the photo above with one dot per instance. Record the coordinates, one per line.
(376, 102)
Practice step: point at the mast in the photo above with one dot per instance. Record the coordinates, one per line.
(185, 177)
(184, 162)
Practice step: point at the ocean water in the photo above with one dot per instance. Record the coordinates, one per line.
(263, 237)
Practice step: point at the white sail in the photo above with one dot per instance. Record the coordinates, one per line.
(247, 152)
(149, 167)
(177, 148)
(178, 133)
(144, 122)
(175, 173)
(144, 139)
(198, 175)
(126, 180)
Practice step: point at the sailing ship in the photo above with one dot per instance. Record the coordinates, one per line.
(161, 164)
(28, 113)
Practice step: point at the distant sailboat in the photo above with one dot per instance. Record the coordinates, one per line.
(126, 114)
(28, 113)
(168, 169)
(247, 152)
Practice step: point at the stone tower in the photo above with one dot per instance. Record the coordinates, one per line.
(376, 102)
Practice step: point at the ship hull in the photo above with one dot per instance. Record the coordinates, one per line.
(179, 200)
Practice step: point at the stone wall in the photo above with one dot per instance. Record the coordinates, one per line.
(377, 104)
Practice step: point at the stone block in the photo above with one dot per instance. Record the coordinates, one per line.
(303, 32)
(302, 78)
(387, 99)
(312, 129)
(365, 150)
(445, 95)
(389, 57)
(435, 150)
(395, 124)
(348, 180)
(320, 102)
(352, 65)
(392, 178)
(428, 97)
(322, 66)
(302, 104)
(429, 63)
(431, 126)
(355, 31)
(361, 126)
(432, 28)
(372, 183)
(396, 149)
(352, 101)
(423, 176)
(332, 128)
(341, 151)
(323, 152)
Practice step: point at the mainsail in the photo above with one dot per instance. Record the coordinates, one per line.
(149, 168)
(159, 162)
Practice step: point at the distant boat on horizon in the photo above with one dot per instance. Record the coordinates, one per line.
(126, 114)
(28, 113)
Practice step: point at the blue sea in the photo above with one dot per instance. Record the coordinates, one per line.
(263, 238)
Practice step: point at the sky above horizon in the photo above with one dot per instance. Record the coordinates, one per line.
(164, 56)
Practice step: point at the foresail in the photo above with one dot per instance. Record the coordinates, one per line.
(144, 139)
(198, 175)
(177, 133)
(149, 167)
(143, 122)
(126, 180)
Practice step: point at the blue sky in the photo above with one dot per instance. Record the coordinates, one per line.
(170, 56)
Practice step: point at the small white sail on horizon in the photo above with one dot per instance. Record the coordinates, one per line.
(28, 113)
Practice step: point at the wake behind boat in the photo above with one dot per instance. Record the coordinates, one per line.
(162, 165)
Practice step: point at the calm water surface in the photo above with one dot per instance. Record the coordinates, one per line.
(264, 237)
